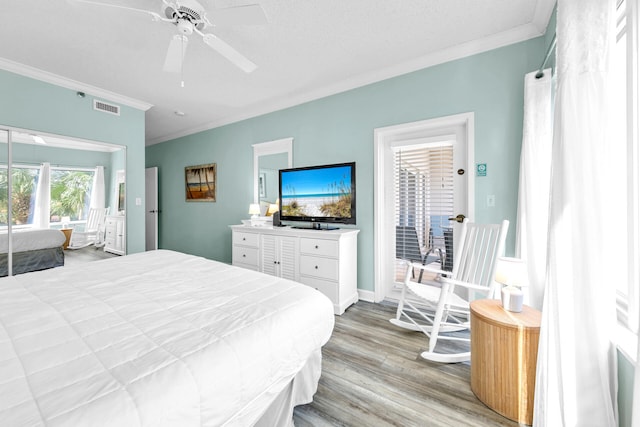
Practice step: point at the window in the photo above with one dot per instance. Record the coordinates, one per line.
(70, 194)
(24, 182)
(624, 131)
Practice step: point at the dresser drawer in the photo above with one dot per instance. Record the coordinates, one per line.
(319, 247)
(246, 239)
(323, 268)
(244, 255)
(329, 289)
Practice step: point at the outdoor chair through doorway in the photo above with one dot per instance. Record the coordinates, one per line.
(408, 248)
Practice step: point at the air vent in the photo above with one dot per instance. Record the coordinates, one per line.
(106, 107)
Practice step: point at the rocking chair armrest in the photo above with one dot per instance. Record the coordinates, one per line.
(430, 269)
(464, 284)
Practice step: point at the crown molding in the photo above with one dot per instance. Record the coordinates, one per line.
(515, 35)
(47, 77)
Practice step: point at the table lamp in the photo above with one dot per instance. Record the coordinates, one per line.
(254, 211)
(512, 272)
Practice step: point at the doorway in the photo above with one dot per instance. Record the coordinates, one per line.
(423, 176)
(151, 208)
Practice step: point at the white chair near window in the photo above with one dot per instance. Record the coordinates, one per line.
(435, 308)
(93, 233)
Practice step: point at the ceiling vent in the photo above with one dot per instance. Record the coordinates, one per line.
(105, 107)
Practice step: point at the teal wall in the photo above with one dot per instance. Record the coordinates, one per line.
(31, 104)
(339, 128)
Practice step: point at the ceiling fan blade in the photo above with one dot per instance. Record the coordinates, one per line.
(251, 14)
(116, 6)
(175, 54)
(230, 53)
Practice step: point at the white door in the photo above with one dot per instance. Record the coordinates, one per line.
(424, 176)
(151, 206)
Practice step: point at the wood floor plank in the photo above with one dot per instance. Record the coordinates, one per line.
(373, 375)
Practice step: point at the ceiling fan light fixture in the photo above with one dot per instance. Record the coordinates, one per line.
(185, 26)
(179, 113)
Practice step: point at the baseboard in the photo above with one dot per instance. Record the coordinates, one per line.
(368, 296)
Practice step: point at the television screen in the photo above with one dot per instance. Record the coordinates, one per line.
(319, 194)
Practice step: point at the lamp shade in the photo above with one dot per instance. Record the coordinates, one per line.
(254, 209)
(511, 272)
(65, 221)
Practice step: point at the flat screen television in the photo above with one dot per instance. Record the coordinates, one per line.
(319, 194)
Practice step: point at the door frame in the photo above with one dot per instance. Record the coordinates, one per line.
(384, 206)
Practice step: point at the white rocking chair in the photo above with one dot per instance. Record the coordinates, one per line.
(93, 233)
(435, 308)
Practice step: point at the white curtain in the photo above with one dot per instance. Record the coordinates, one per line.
(535, 173)
(97, 189)
(576, 375)
(42, 208)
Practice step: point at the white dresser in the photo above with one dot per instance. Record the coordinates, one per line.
(323, 259)
(114, 240)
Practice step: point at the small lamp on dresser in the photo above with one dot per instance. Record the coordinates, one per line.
(254, 211)
(512, 273)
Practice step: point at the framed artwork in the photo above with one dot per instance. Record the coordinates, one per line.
(200, 183)
(262, 185)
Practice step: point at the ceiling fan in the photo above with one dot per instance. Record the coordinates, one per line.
(190, 17)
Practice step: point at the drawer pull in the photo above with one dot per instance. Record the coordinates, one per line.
(244, 238)
(244, 255)
(316, 246)
(316, 267)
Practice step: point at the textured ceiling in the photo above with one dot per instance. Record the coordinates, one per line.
(308, 49)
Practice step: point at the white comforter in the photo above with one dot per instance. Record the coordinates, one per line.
(32, 239)
(159, 338)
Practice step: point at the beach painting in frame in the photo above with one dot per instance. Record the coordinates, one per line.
(200, 183)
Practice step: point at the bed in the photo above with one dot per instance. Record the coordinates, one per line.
(33, 249)
(159, 338)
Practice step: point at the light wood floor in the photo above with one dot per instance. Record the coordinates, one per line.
(372, 375)
(88, 254)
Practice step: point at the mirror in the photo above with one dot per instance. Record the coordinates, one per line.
(268, 159)
(76, 175)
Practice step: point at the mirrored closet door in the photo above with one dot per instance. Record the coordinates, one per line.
(56, 195)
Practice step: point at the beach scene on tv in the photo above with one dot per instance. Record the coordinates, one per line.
(324, 192)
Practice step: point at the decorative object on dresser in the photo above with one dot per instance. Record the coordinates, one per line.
(200, 183)
(504, 352)
(325, 260)
(115, 235)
